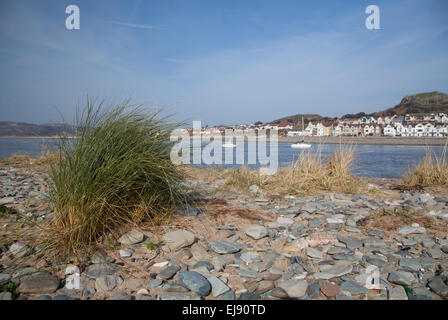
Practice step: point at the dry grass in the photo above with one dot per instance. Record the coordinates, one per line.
(389, 220)
(431, 171)
(309, 174)
(21, 161)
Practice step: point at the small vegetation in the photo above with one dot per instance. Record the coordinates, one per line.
(117, 171)
(310, 173)
(431, 171)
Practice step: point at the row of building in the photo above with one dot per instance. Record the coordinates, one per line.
(393, 130)
(431, 125)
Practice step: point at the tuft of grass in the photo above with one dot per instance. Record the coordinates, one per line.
(242, 178)
(431, 171)
(116, 171)
(310, 173)
(151, 245)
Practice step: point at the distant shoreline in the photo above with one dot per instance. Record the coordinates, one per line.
(374, 140)
(406, 141)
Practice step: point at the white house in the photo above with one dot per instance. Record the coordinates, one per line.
(389, 131)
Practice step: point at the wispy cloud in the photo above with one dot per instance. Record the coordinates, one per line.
(133, 25)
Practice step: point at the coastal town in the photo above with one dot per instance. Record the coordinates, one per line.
(409, 125)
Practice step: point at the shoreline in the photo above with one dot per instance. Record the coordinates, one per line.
(374, 140)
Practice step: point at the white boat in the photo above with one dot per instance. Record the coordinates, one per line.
(228, 145)
(301, 145)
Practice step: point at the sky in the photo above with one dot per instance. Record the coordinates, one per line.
(221, 61)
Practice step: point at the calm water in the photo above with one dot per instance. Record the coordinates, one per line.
(385, 161)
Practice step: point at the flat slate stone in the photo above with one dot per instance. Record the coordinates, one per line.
(224, 247)
(105, 283)
(410, 264)
(154, 283)
(257, 232)
(100, 269)
(4, 277)
(41, 283)
(333, 272)
(218, 287)
(195, 282)
(132, 237)
(168, 272)
(397, 293)
(438, 286)
(294, 288)
(403, 278)
(230, 295)
(5, 295)
(351, 243)
(410, 230)
(178, 239)
(249, 296)
(353, 288)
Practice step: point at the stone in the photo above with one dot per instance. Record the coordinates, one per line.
(264, 286)
(18, 249)
(247, 273)
(195, 282)
(313, 290)
(333, 272)
(410, 264)
(397, 293)
(314, 223)
(249, 296)
(257, 232)
(125, 253)
(204, 264)
(230, 295)
(154, 283)
(168, 272)
(5, 295)
(105, 283)
(4, 278)
(224, 247)
(411, 230)
(350, 242)
(100, 269)
(314, 253)
(285, 221)
(178, 239)
(40, 283)
(336, 219)
(374, 242)
(177, 296)
(253, 188)
(352, 287)
(438, 286)
(131, 237)
(279, 293)
(403, 278)
(330, 289)
(173, 287)
(294, 288)
(250, 257)
(218, 287)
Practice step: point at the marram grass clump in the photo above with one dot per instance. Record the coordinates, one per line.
(116, 171)
(431, 171)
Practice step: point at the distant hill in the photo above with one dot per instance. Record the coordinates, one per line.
(296, 120)
(428, 102)
(27, 129)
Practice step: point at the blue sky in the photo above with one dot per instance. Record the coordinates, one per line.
(221, 62)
